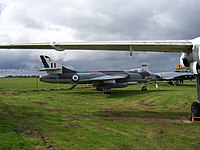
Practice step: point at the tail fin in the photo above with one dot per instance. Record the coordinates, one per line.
(51, 67)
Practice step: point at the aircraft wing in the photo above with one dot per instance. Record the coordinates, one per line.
(175, 75)
(106, 77)
(157, 46)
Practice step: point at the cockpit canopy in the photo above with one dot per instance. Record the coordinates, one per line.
(136, 70)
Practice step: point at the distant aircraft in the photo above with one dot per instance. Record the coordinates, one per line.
(189, 58)
(173, 78)
(102, 80)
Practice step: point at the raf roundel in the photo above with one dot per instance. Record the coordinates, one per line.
(75, 78)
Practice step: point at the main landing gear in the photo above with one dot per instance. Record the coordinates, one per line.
(105, 90)
(195, 108)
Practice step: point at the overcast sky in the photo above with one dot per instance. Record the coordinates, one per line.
(30, 21)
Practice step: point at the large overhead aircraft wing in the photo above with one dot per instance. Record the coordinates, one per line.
(158, 46)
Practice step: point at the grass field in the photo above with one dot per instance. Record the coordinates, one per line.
(86, 119)
(8, 85)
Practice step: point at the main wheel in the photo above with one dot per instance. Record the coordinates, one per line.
(99, 89)
(195, 109)
(107, 91)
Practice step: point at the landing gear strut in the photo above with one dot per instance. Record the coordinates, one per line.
(107, 91)
(195, 108)
(99, 89)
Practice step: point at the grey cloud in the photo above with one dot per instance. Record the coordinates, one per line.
(22, 16)
(139, 20)
(12, 59)
(92, 20)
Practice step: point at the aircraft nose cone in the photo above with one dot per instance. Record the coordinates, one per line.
(48, 78)
(41, 77)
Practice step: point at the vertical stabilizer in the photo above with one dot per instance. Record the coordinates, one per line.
(51, 67)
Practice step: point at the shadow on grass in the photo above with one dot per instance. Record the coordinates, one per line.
(117, 93)
(187, 85)
(115, 114)
(128, 93)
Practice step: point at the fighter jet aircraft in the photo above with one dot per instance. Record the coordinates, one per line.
(175, 78)
(102, 80)
(189, 58)
(172, 78)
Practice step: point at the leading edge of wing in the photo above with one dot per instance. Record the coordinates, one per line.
(157, 46)
(106, 77)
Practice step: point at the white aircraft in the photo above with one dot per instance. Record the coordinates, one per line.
(190, 53)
